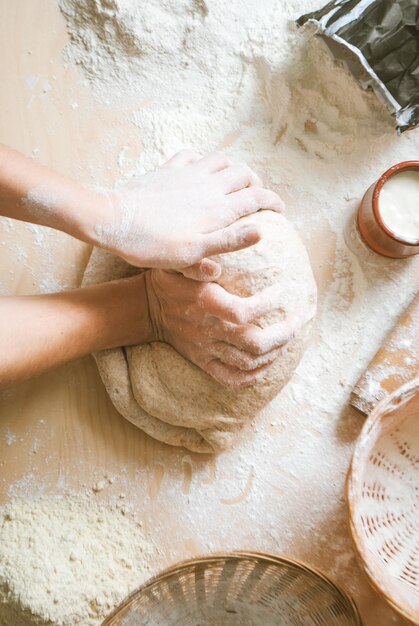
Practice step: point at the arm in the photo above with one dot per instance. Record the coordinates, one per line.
(204, 323)
(175, 217)
(38, 333)
(33, 193)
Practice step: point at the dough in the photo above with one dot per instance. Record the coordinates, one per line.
(174, 401)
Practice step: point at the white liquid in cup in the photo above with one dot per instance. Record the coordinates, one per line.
(398, 205)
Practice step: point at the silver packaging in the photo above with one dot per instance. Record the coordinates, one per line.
(379, 42)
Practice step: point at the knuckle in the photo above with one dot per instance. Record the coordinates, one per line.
(220, 374)
(241, 380)
(237, 317)
(232, 380)
(191, 251)
(254, 344)
(209, 296)
(201, 294)
(247, 363)
(229, 238)
(256, 192)
(237, 312)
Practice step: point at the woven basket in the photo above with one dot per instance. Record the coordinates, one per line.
(383, 499)
(238, 589)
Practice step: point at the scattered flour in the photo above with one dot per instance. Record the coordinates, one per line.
(40, 203)
(67, 561)
(206, 74)
(211, 75)
(10, 438)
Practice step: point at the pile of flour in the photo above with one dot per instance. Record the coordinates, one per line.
(203, 74)
(67, 561)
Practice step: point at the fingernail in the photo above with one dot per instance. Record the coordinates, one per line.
(211, 269)
(215, 272)
(251, 233)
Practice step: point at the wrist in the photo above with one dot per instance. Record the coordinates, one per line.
(108, 224)
(154, 306)
(94, 216)
(125, 313)
(65, 204)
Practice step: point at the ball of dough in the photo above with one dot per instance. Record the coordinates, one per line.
(175, 401)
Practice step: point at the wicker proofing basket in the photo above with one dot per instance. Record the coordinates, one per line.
(238, 589)
(383, 499)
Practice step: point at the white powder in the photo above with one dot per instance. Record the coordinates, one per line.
(211, 74)
(10, 438)
(114, 234)
(190, 74)
(204, 77)
(67, 561)
(40, 203)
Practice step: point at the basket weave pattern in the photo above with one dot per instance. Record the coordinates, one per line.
(383, 496)
(241, 589)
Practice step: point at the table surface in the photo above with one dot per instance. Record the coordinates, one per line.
(59, 433)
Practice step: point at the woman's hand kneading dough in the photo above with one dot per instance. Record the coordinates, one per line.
(173, 218)
(184, 212)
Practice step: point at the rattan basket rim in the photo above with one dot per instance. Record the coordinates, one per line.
(269, 557)
(376, 416)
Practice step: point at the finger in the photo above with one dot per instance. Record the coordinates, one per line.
(233, 377)
(237, 309)
(229, 239)
(234, 237)
(230, 355)
(182, 158)
(205, 270)
(238, 176)
(251, 199)
(214, 162)
(256, 340)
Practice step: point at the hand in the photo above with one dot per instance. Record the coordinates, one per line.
(213, 329)
(184, 212)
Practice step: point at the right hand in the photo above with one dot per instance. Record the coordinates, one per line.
(184, 212)
(214, 329)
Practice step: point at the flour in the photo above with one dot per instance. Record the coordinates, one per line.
(253, 85)
(67, 560)
(246, 81)
(41, 204)
(203, 75)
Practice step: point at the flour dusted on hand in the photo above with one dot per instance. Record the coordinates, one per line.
(174, 401)
(67, 561)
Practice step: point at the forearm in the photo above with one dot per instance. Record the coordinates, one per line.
(38, 333)
(33, 193)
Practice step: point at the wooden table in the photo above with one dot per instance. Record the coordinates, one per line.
(59, 433)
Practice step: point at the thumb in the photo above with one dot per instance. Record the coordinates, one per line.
(234, 237)
(205, 270)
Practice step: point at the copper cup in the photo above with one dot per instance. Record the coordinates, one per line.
(371, 227)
